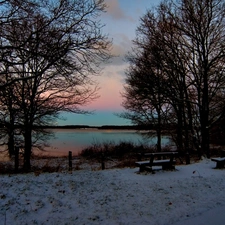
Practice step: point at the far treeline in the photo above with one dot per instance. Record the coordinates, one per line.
(176, 73)
(112, 127)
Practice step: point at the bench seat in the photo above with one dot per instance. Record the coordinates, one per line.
(165, 163)
(220, 162)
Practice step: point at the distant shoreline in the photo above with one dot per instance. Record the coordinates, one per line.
(150, 127)
(104, 127)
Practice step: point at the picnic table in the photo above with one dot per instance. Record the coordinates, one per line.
(220, 162)
(164, 159)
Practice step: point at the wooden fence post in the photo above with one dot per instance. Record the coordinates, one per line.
(103, 160)
(187, 158)
(70, 161)
(16, 159)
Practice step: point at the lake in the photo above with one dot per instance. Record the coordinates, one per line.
(77, 139)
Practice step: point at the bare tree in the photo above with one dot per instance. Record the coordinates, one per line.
(62, 48)
(189, 36)
(202, 24)
(157, 73)
(143, 91)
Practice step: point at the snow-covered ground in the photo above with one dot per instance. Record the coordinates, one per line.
(192, 194)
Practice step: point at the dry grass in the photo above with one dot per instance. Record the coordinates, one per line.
(92, 158)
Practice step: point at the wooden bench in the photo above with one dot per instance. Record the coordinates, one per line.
(168, 161)
(220, 162)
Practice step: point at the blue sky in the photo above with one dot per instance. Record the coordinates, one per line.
(121, 20)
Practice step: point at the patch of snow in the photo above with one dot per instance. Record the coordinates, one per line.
(188, 195)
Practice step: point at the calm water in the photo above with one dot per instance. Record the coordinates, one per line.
(77, 139)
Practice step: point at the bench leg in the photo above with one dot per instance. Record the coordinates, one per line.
(148, 168)
(168, 167)
(145, 168)
(220, 165)
(142, 168)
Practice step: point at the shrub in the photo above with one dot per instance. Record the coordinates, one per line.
(112, 150)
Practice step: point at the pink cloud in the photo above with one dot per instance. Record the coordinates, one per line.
(115, 11)
(111, 88)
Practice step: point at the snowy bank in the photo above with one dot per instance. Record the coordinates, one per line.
(115, 196)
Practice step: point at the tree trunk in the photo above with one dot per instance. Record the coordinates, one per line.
(179, 129)
(159, 133)
(27, 149)
(205, 134)
(205, 117)
(159, 138)
(10, 129)
(11, 142)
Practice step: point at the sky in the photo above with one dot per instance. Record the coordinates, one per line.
(121, 19)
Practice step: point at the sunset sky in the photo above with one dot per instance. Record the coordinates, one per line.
(121, 20)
